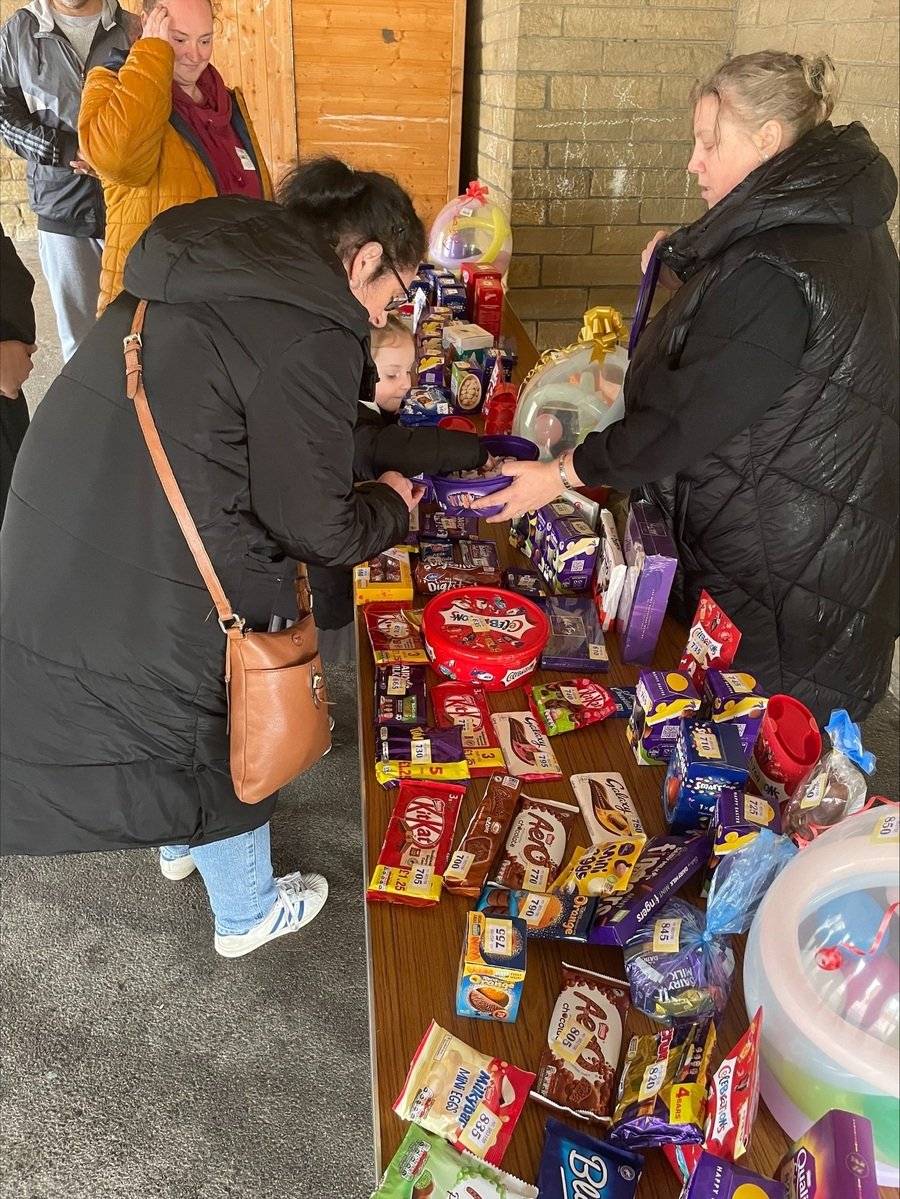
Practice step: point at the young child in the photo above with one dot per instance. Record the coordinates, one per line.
(382, 444)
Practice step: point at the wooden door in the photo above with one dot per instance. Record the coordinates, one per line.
(253, 51)
(380, 85)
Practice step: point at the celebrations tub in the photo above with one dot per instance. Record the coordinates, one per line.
(484, 635)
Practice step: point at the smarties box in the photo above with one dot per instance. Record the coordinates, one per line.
(706, 758)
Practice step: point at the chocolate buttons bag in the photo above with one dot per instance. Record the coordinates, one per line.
(277, 706)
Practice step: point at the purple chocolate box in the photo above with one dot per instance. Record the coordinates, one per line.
(835, 1159)
(651, 561)
(665, 864)
(732, 697)
(662, 698)
(715, 1177)
(576, 639)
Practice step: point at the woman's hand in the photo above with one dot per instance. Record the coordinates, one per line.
(534, 484)
(408, 491)
(157, 23)
(667, 277)
(15, 367)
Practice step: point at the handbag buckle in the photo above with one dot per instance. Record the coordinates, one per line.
(232, 622)
(132, 339)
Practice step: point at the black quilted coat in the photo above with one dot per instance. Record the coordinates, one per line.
(762, 416)
(113, 705)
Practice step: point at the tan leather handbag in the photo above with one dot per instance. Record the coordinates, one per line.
(277, 705)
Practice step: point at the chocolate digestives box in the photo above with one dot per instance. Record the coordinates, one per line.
(651, 561)
(665, 864)
(491, 967)
(835, 1159)
(661, 699)
(705, 759)
(734, 697)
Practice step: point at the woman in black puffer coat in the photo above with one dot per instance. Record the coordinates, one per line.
(762, 402)
(256, 354)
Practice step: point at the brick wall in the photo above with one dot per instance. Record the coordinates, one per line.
(17, 218)
(601, 131)
(862, 39)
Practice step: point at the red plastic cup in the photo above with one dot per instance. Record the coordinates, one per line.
(461, 423)
(787, 748)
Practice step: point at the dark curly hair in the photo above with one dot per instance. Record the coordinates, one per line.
(350, 207)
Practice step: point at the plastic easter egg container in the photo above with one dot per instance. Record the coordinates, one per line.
(471, 228)
(484, 635)
(822, 959)
(576, 390)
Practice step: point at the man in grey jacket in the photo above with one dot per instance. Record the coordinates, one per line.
(46, 50)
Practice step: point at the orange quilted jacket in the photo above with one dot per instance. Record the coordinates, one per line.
(145, 164)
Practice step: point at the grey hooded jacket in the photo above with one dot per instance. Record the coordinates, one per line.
(41, 79)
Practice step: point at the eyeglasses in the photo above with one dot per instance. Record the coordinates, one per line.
(398, 301)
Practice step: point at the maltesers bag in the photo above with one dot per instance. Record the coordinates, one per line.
(277, 705)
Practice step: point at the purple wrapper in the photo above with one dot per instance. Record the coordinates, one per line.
(675, 1058)
(525, 582)
(665, 864)
(651, 562)
(458, 526)
(397, 743)
(576, 640)
(400, 695)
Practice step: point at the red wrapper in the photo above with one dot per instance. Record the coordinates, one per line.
(394, 633)
(712, 641)
(731, 1106)
(465, 705)
(570, 705)
(416, 845)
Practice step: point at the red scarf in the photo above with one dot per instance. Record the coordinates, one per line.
(210, 121)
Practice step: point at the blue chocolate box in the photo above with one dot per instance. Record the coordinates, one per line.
(706, 758)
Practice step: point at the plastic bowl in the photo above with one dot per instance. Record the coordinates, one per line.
(457, 495)
(461, 423)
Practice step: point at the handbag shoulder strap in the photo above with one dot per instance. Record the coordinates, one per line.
(229, 621)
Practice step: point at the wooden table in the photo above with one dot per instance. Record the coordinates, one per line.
(413, 954)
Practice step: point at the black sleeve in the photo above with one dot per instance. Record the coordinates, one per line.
(300, 449)
(742, 351)
(16, 309)
(386, 445)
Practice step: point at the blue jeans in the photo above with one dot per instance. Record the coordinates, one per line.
(238, 876)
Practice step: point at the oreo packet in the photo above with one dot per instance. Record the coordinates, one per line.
(570, 705)
(426, 1167)
(662, 1090)
(575, 1164)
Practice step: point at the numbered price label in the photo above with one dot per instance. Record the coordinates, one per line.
(481, 1131)
(887, 827)
(421, 880)
(572, 1041)
(667, 935)
(460, 865)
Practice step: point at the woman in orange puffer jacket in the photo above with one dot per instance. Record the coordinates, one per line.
(160, 128)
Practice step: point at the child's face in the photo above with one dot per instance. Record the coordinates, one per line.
(395, 363)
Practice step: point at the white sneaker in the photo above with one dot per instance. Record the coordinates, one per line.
(177, 868)
(300, 899)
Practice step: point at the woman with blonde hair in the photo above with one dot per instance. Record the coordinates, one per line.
(761, 403)
(160, 128)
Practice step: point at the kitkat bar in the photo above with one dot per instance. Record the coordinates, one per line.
(465, 705)
(584, 1039)
(417, 844)
(535, 844)
(469, 865)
